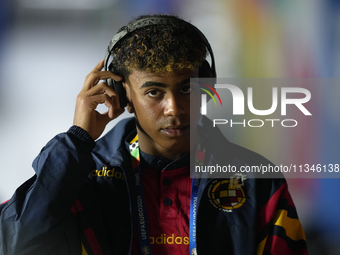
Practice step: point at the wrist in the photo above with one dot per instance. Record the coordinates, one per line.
(82, 137)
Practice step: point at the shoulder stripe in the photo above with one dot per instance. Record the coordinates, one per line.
(293, 228)
(276, 245)
(268, 210)
(291, 211)
(280, 231)
(260, 247)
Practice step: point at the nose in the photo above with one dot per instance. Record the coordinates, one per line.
(173, 106)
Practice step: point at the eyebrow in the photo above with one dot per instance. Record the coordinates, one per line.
(163, 85)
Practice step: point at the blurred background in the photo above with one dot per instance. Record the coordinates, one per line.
(47, 47)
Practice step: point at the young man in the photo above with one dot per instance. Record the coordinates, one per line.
(130, 192)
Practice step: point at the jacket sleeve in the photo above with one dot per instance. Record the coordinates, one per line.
(38, 218)
(280, 231)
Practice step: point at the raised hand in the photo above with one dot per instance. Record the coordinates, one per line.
(92, 94)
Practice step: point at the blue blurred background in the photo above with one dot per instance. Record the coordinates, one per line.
(47, 47)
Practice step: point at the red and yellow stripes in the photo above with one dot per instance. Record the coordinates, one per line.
(292, 227)
(280, 231)
(89, 237)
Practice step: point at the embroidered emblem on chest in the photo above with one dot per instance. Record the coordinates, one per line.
(227, 194)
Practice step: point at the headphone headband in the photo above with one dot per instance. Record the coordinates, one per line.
(157, 21)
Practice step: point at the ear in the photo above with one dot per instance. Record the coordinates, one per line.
(129, 106)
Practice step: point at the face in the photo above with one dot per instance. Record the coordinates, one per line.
(161, 104)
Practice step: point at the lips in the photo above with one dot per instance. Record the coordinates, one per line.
(174, 131)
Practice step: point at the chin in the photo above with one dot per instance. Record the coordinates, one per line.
(181, 146)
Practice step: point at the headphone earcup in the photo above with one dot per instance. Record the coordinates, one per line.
(205, 70)
(118, 87)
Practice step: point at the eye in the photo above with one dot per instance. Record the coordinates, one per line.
(154, 93)
(185, 90)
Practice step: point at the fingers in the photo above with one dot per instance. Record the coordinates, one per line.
(99, 66)
(103, 89)
(100, 88)
(88, 118)
(91, 95)
(96, 75)
(91, 86)
(100, 94)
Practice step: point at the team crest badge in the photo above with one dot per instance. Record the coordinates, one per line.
(227, 194)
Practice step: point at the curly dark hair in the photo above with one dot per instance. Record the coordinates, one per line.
(160, 48)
